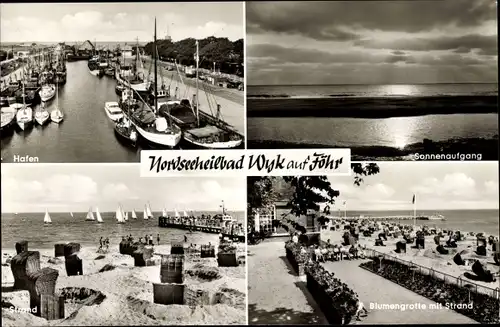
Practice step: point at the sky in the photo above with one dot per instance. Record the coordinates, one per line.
(64, 188)
(371, 42)
(437, 186)
(119, 22)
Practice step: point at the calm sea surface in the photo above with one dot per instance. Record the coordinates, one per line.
(392, 132)
(64, 228)
(307, 91)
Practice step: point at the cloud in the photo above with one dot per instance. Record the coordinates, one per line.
(342, 18)
(58, 188)
(456, 185)
(491, 187)
(119, 27)
(461, 44)
(118, 192)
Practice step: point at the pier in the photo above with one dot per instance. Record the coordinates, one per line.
(231, 231)
(382, 218)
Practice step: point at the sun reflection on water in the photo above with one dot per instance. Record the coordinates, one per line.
(399, 90)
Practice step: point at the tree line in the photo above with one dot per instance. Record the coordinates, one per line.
(227, 55)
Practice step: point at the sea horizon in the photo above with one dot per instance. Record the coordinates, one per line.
(342, 84)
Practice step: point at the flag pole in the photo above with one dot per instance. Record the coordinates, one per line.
(414, 209)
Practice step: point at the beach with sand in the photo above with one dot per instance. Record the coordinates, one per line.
(128, 290)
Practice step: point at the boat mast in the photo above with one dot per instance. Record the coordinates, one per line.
(155, 95)
(197, 100)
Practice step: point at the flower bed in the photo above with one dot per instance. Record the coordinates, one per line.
(485, 309)
(297, 259)
(334, 297)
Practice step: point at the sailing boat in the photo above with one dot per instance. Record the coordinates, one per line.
(24, 116)
(125, 217)
(56, 115)
(119, 215)
(149, 124)
(148, 211)
(176, 213)
(164, 213)
(71, 214)
(200, 128)
(145, 213)
(98, 214)
(134, 215)
(185, 214)
(42, 116)
(90, 215)
(46, 219)
(47, 92)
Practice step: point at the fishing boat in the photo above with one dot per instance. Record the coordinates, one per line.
(8, 117)
(113, 111)
(134, 215)
(46, 218)
(200, 128)
(90, 215)
(42, 116)
(47, 92)
(24, 117)
(125, 129)
(98, 215)
(149, 124)
(132, 76)
(57, 115)
(119, 215)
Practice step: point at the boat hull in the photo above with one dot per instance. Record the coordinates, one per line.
(47, 95)
(56, 116)
(125, 137)
(215, 145)
(24, 118)
(170, 140)
(42, 119)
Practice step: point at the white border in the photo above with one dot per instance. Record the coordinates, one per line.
(245, 86)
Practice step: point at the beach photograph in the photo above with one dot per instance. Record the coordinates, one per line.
(99, 82)
(394, 243)
(87, 245)
(391, 80)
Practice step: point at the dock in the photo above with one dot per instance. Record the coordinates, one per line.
(192, 225)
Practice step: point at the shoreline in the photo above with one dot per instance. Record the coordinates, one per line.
(371, 107)
(488, 148)
(128, 290)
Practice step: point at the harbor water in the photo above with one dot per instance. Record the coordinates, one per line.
(86, 134)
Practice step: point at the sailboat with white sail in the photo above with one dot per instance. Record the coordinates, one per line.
(71, 214)
(145, 213)
(46, 218)
(125, 217)
(134, 215)
(120, 219)
(57, 115)
(98, 214)
(164, 213)
(148, 210)
(177, 214)
(90, 215)
(134, 78)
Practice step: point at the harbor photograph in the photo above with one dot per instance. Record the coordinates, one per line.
(394, 243)
(100, 82)
(87, 245)
(387, 79)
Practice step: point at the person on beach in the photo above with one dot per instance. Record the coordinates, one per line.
(185, 239)
(361, 308)
(100, 243)
(106, 242)
(158, 239)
